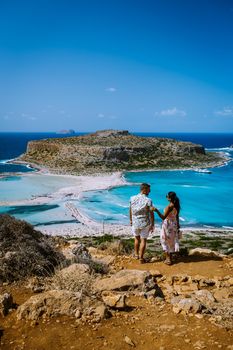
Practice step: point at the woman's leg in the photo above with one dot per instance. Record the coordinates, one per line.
(168, 259)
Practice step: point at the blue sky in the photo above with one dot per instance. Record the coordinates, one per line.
(141, 65)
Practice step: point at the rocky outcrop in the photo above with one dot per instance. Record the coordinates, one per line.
(114, 150)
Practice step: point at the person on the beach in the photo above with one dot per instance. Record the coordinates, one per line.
(141, 220)
(170, 231)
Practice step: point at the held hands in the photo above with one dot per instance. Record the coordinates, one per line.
(154, 209)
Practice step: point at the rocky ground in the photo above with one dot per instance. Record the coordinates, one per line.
(100, 297)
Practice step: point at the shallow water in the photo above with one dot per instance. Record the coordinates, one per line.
(206, 199)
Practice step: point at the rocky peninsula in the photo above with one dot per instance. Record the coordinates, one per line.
(116, 150)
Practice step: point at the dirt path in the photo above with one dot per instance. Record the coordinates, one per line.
(151, 325)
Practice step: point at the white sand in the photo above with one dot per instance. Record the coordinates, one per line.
(85, 225)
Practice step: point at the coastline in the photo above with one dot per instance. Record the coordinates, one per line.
(86, 226)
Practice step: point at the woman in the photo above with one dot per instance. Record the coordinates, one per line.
(170, 234)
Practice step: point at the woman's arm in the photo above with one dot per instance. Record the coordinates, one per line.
(178, 221)
(167, 210)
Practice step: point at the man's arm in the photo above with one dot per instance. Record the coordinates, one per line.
(130, 215)
(152, 221)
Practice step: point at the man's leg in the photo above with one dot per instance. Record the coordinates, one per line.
(136, 245)
(142, 247)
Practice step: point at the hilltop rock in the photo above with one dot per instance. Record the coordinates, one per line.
(114, 150)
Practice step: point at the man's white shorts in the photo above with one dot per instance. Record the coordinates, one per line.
(142, 232)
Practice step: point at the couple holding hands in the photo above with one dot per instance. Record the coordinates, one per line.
(142, 221)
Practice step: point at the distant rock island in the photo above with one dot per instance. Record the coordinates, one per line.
(116, 150)
(66, 132)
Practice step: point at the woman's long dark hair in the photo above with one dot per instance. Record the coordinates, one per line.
(175, 200)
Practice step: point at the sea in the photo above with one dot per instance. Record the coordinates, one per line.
(206, 197)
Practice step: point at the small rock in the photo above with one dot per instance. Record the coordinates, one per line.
(199, 345)
(167, 327)
(77, 314)
(129, 341)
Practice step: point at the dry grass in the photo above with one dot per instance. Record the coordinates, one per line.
(24, 251)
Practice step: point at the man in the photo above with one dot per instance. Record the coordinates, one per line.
(141, 220)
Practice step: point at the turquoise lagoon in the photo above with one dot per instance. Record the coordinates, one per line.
(206, 199)
(25, 187)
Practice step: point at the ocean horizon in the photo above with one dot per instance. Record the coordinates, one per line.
(205, 198)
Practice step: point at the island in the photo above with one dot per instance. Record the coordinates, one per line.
(66, 132)
(116, 150)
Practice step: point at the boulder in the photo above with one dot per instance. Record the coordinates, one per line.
(123, 280)
(223, 293)
(49, 304)
(205, 297)
(205, 252)
(114, 300)
(186, 305)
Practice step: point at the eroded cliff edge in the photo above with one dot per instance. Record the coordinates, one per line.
(114, 150)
